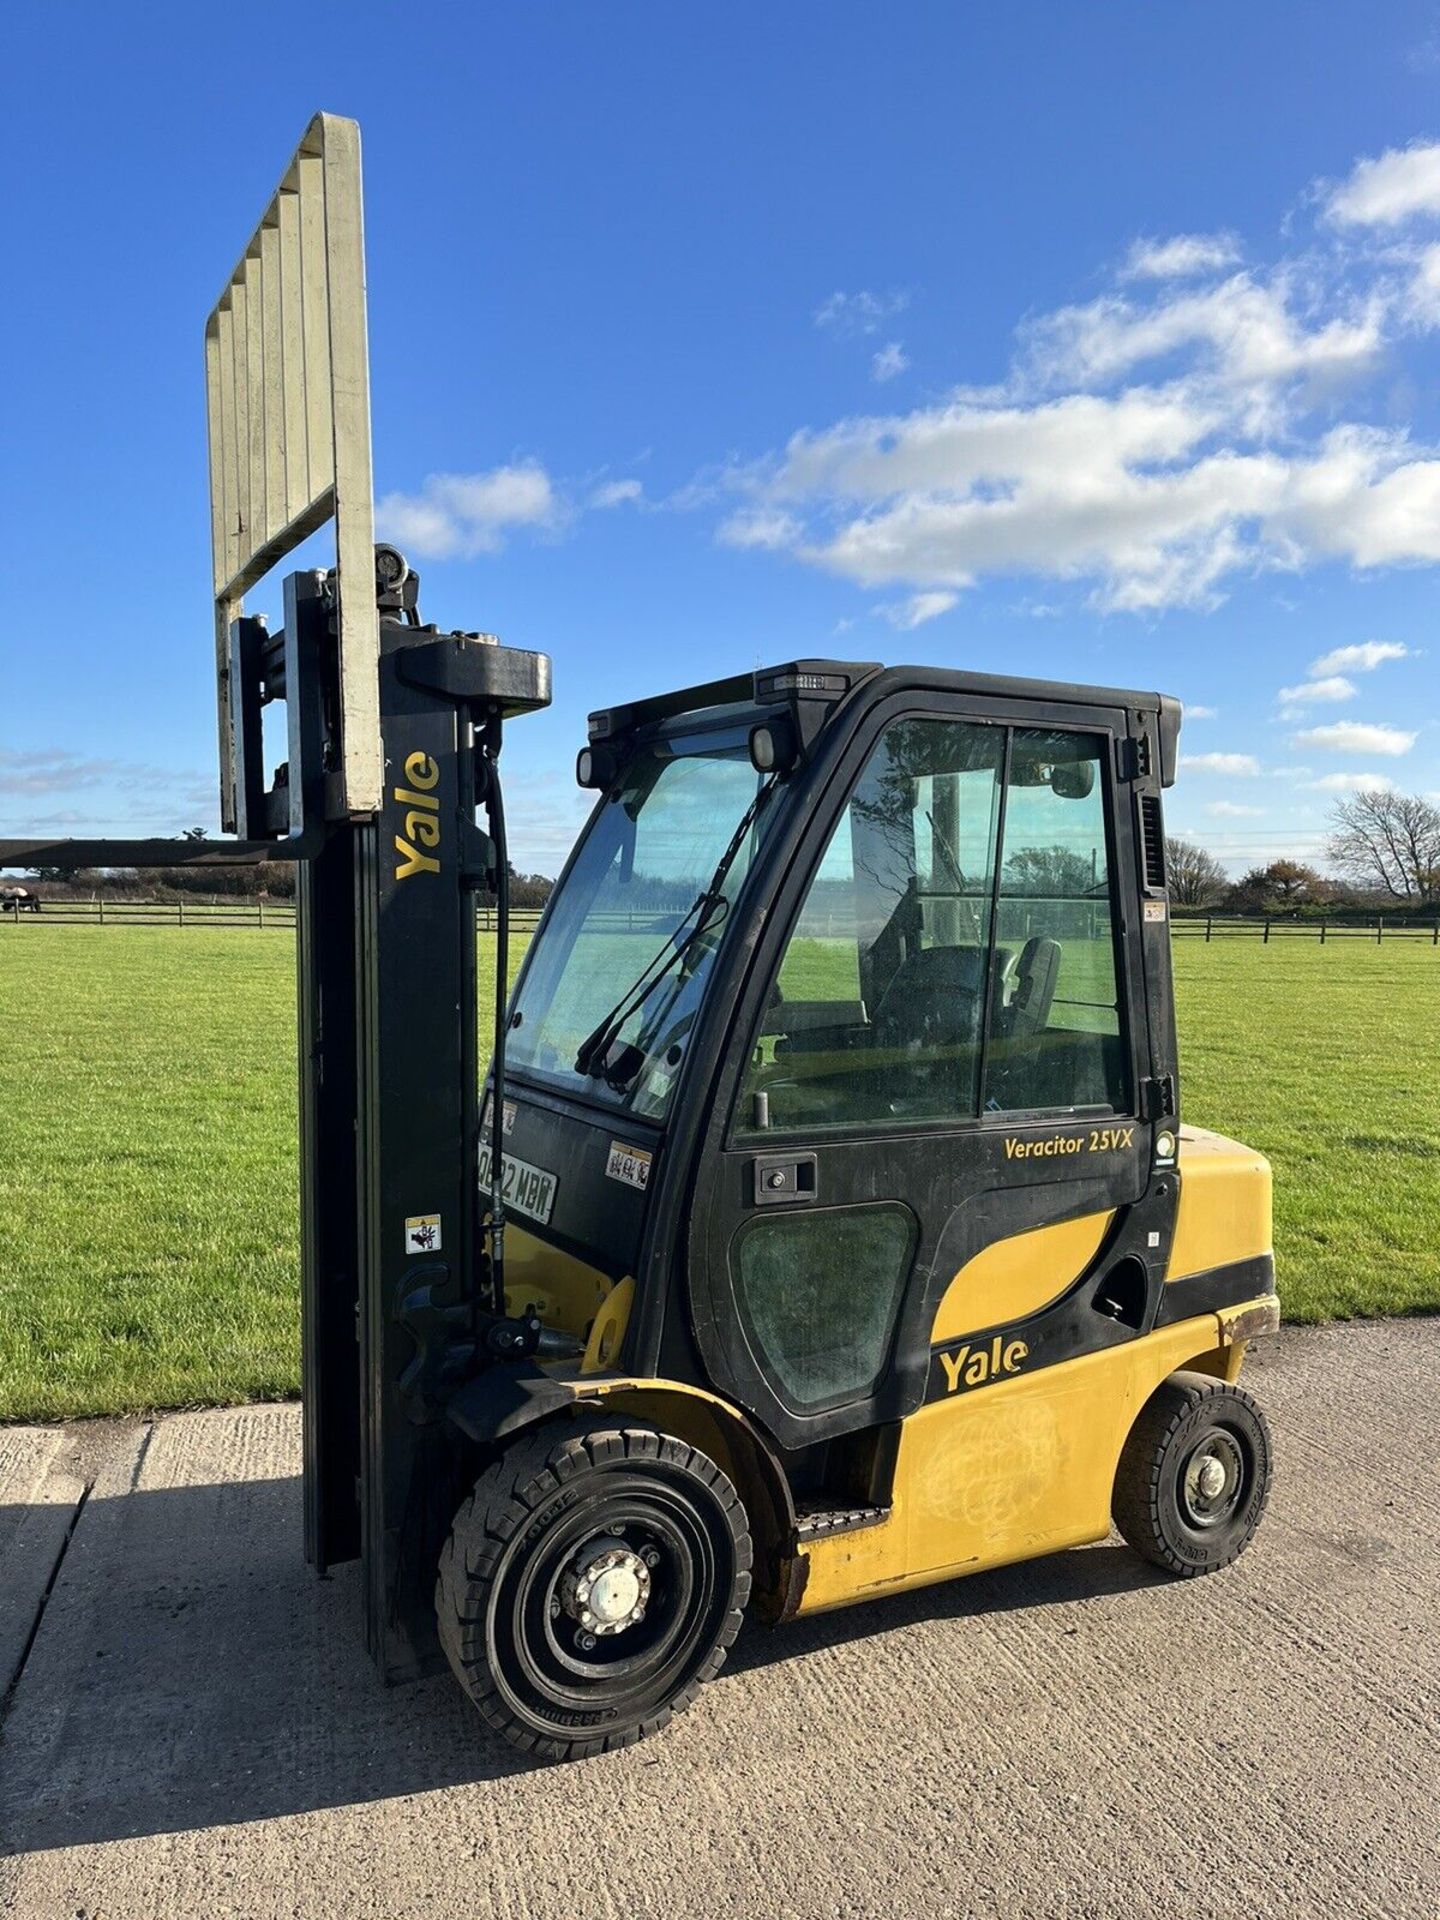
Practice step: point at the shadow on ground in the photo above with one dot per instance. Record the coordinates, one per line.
(190, 1672)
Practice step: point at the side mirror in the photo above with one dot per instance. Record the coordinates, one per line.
(1073, 779)
(596, 767)
(773, 747)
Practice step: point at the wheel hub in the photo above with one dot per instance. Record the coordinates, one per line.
(608, 1588)
(1213, 1477)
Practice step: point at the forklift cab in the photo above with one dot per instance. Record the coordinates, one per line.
(924, 1011)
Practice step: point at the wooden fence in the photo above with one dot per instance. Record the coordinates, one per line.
(281, 913)
(1378, 930)
(191, 913)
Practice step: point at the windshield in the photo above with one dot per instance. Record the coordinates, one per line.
(627, 906)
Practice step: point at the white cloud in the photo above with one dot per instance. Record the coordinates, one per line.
(1232, 810)
(920, 607)
(1352, 783)
(1157, 495)
(1354, 736)
(1244, 331)
(1316, 693)
(1363, 658)
(459, 515)
(1194, 711)
(1242, 766)
(616, 493)
(852, 314)
(546, 813)
(1157, 444)
(1392, 188)
(46, 770)
(889, 361)
(103, 794)
(762, 527)
(1180, 257)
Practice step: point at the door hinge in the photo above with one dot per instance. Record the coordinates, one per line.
(1134, 757)
(1157, 1097)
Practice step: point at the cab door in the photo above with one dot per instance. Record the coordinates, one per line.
(927, 1141)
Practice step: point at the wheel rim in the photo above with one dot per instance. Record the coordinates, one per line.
(1214, 1479)
(558, 1669)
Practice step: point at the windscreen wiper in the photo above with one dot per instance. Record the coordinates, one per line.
(709, 908)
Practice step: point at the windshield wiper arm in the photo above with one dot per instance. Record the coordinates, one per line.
(707, 908)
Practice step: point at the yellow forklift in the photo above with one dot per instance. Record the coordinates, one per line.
(825, 1224)
(840, 1128)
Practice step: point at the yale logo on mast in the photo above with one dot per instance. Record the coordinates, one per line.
(973, 1366)
(422, 818)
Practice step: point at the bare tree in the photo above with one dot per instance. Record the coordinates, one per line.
(1389, 841)
(1196, 877)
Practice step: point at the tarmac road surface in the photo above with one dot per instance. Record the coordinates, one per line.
(195, 1730)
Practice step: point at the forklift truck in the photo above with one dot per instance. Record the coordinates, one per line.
(825, 1224)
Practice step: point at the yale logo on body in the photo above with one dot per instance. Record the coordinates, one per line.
(422, 819)
(973, 1366)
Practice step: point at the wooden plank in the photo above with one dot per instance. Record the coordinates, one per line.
(292, 351)
(272, 361)
(315, 324)
(354, 507)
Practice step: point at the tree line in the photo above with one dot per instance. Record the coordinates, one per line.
(256, 880)
(1383, 850)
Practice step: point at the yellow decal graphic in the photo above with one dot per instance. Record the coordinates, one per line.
(422, 818)
(973, 1366)
(1057, 1145)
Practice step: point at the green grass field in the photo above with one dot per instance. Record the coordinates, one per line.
(147, 1147)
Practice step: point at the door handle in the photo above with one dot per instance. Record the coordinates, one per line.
(782, 1179)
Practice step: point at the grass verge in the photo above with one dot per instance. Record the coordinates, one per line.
(147, 1147)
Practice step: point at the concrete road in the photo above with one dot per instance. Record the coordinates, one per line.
(195, 1731)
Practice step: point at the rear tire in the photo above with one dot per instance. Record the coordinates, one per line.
(593, 1580)
(1194, 1475)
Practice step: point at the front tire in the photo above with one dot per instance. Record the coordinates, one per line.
(593, 1580)
(1194, 1475)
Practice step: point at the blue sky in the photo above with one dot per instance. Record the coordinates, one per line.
(1091, 342)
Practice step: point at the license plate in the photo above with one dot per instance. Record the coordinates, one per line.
(529, 1190)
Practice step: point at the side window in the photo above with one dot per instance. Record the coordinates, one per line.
(1055, 1028)
(818, 1294)
(877, 1013)
(959, 929)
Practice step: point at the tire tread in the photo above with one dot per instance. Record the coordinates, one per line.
(513, 1487)
(1136, 1505)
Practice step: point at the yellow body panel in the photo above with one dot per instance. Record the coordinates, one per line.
(1224, 1204)
(564, 1291)
(1014, 1278)
(1006, 1473)
(609, 1328)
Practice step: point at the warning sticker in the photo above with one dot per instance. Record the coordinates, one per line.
(422, 1233)
(630, 1164)
(1154, 909)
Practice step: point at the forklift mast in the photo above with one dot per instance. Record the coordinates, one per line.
(388, 734)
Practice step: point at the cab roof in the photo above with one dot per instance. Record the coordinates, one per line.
(823, 686)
